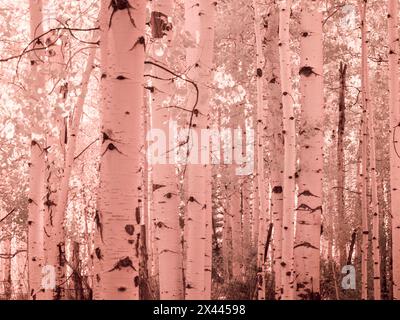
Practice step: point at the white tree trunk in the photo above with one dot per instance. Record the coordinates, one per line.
(364, 155)
(289, 186)
(394, 137)
(164, 178)
(275, 129)
(199, 22)
(37, 161)
(118, 216)
(309, 206)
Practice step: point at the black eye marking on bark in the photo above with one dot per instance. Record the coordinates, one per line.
(169, 195)
(136, 281)
(123, 263)
(160, 225)
(130, 229)
(49, 203)
(121, 289)
(192, 199)
(30, 200)
(139, 41)
(158, 186)
(307, 193)
(99, 225)
(150, 88)
(120, 5)
(121, 77)
(137, 215)
(259, 72)
(98, 253)
(137, 245)
(111, 147)
(277, 189)
(304, 207)
(307, 71)
(305, 244)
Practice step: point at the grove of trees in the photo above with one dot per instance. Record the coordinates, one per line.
(199, 149)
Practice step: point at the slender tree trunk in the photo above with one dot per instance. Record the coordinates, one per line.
(372, 160)
(57, 235)
(199, 22)
(165, 180)
(309, 207)
(364, 155)
(261, 195)
(275, 125)
(340, 165)
(118, 217)
(394, 137)
(6, 266)
(289, 186)
(37, 162)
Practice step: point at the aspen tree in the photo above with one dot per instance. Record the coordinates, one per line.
(394, 113)
(37, 160)
(260, 196)
(6, 268)
(275, 126)
(118, 216)
(309, 206)
(340, 165)
(199, 23)
(289, 187)
(57, 233)
(364, 154)
(164, 178)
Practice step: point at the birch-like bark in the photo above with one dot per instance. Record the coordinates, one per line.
(275, 126)
(118, 216)
(199, 22)
(394, 142)
(340, 167)
(309, 206)
(289, 186)
(165, 180)
(37, 161)
(372, 167)
(261, 185)
(5, 263)
(57, 233)
(364, 154)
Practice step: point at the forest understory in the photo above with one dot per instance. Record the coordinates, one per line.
(199, 150)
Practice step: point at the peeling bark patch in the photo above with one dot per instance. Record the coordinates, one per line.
(130, 229)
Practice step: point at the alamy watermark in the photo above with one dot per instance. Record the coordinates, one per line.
(205, 146)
